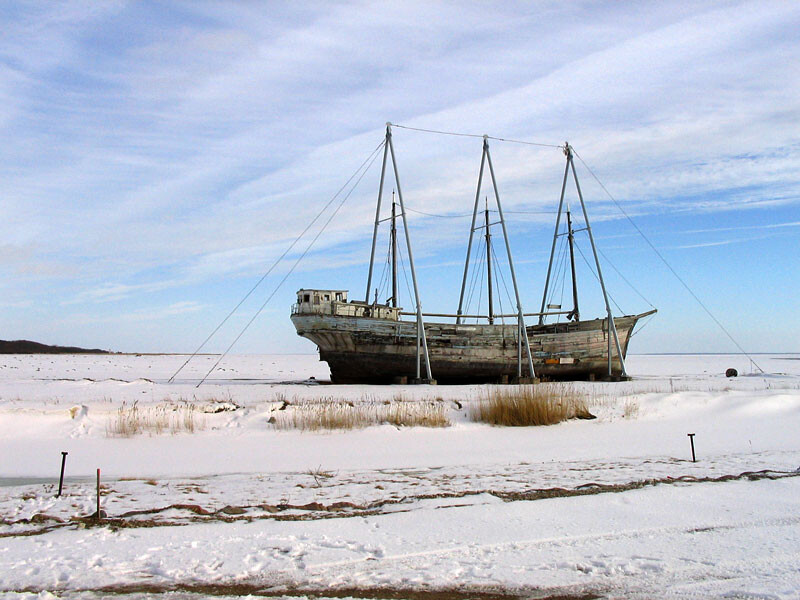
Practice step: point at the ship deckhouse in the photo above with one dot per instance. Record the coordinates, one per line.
(334, 302)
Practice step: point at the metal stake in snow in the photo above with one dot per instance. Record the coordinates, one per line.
(98, 495)
(691, 441)
(61, 478)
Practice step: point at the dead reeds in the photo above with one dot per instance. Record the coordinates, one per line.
(332, 414)
(168, 417)
(525, 405)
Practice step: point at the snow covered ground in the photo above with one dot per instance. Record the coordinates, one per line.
(218, 501)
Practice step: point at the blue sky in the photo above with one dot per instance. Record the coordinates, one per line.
(155, 158)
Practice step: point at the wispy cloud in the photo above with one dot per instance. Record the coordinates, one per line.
(157, 313)
(145, 148)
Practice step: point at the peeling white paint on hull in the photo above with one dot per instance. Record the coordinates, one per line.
(371, 350)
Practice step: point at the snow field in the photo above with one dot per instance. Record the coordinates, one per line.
(612, 506)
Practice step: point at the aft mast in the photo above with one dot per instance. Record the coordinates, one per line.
(489, 263)
(393, 235)
(575, 315)
(612, 328)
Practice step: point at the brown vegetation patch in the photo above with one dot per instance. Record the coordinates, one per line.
(258, 589)
(167, 417)
(332, 414)
(526, 405)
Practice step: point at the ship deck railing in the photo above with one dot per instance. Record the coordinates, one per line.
(355, 308)
(348, 309)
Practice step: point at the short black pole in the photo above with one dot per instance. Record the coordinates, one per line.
(61, 479)
(98, 494)
(691, 440)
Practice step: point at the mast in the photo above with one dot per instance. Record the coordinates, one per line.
(394, 252)
(575, 314)
(612, 328)
(422, 341)
(377, 213)
(471, 235)
(555, 238)
(522, 332)
(489, 263)
(522, 335)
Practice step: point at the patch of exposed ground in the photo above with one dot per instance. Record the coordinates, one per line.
(259, 590)
(185, 514)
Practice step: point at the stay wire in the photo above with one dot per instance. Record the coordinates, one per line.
(275, 264)
(497, 273)
(479, 256)
(583, 256)
(503, 279)
(563, 285)
(633, 287)
(529, 212)
(647, 322)
(364, 170)
(471, 274)
(560, 275)
(476, 135)
(405, 274)
(480, 286)
(427, 214)
(556, 274)
(385, 272)
(664, 260)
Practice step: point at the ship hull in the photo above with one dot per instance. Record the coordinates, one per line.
(365, 350)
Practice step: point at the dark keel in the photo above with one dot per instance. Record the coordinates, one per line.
(380, 368)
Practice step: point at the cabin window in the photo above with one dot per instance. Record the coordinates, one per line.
(306, 297)
(327, 297)
(316, 299)
(339, 296)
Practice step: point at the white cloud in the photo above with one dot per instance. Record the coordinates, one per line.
(186, 152)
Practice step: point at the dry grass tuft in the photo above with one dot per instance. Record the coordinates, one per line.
(630, 410)
(131, 420)
(330, 414)
(320, 475)
(525, 405)
(408, 414)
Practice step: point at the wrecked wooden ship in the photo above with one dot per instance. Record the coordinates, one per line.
(372, 342)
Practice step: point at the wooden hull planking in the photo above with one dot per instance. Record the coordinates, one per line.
(368, 350)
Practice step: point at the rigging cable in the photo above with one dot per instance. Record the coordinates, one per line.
(475, 135)
(384, 280)
(405, 275)
(503, 279)
(608, 260)
(529, 212)
(664, 260)
(557, 275)
(497, 287)
(598, 278)
(427, 214)
(480, 286)
(647, 322)
(480, 255)
(499, 272)
(364, 170)
(278, 260)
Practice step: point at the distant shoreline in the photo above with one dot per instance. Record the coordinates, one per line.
(29, 347)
